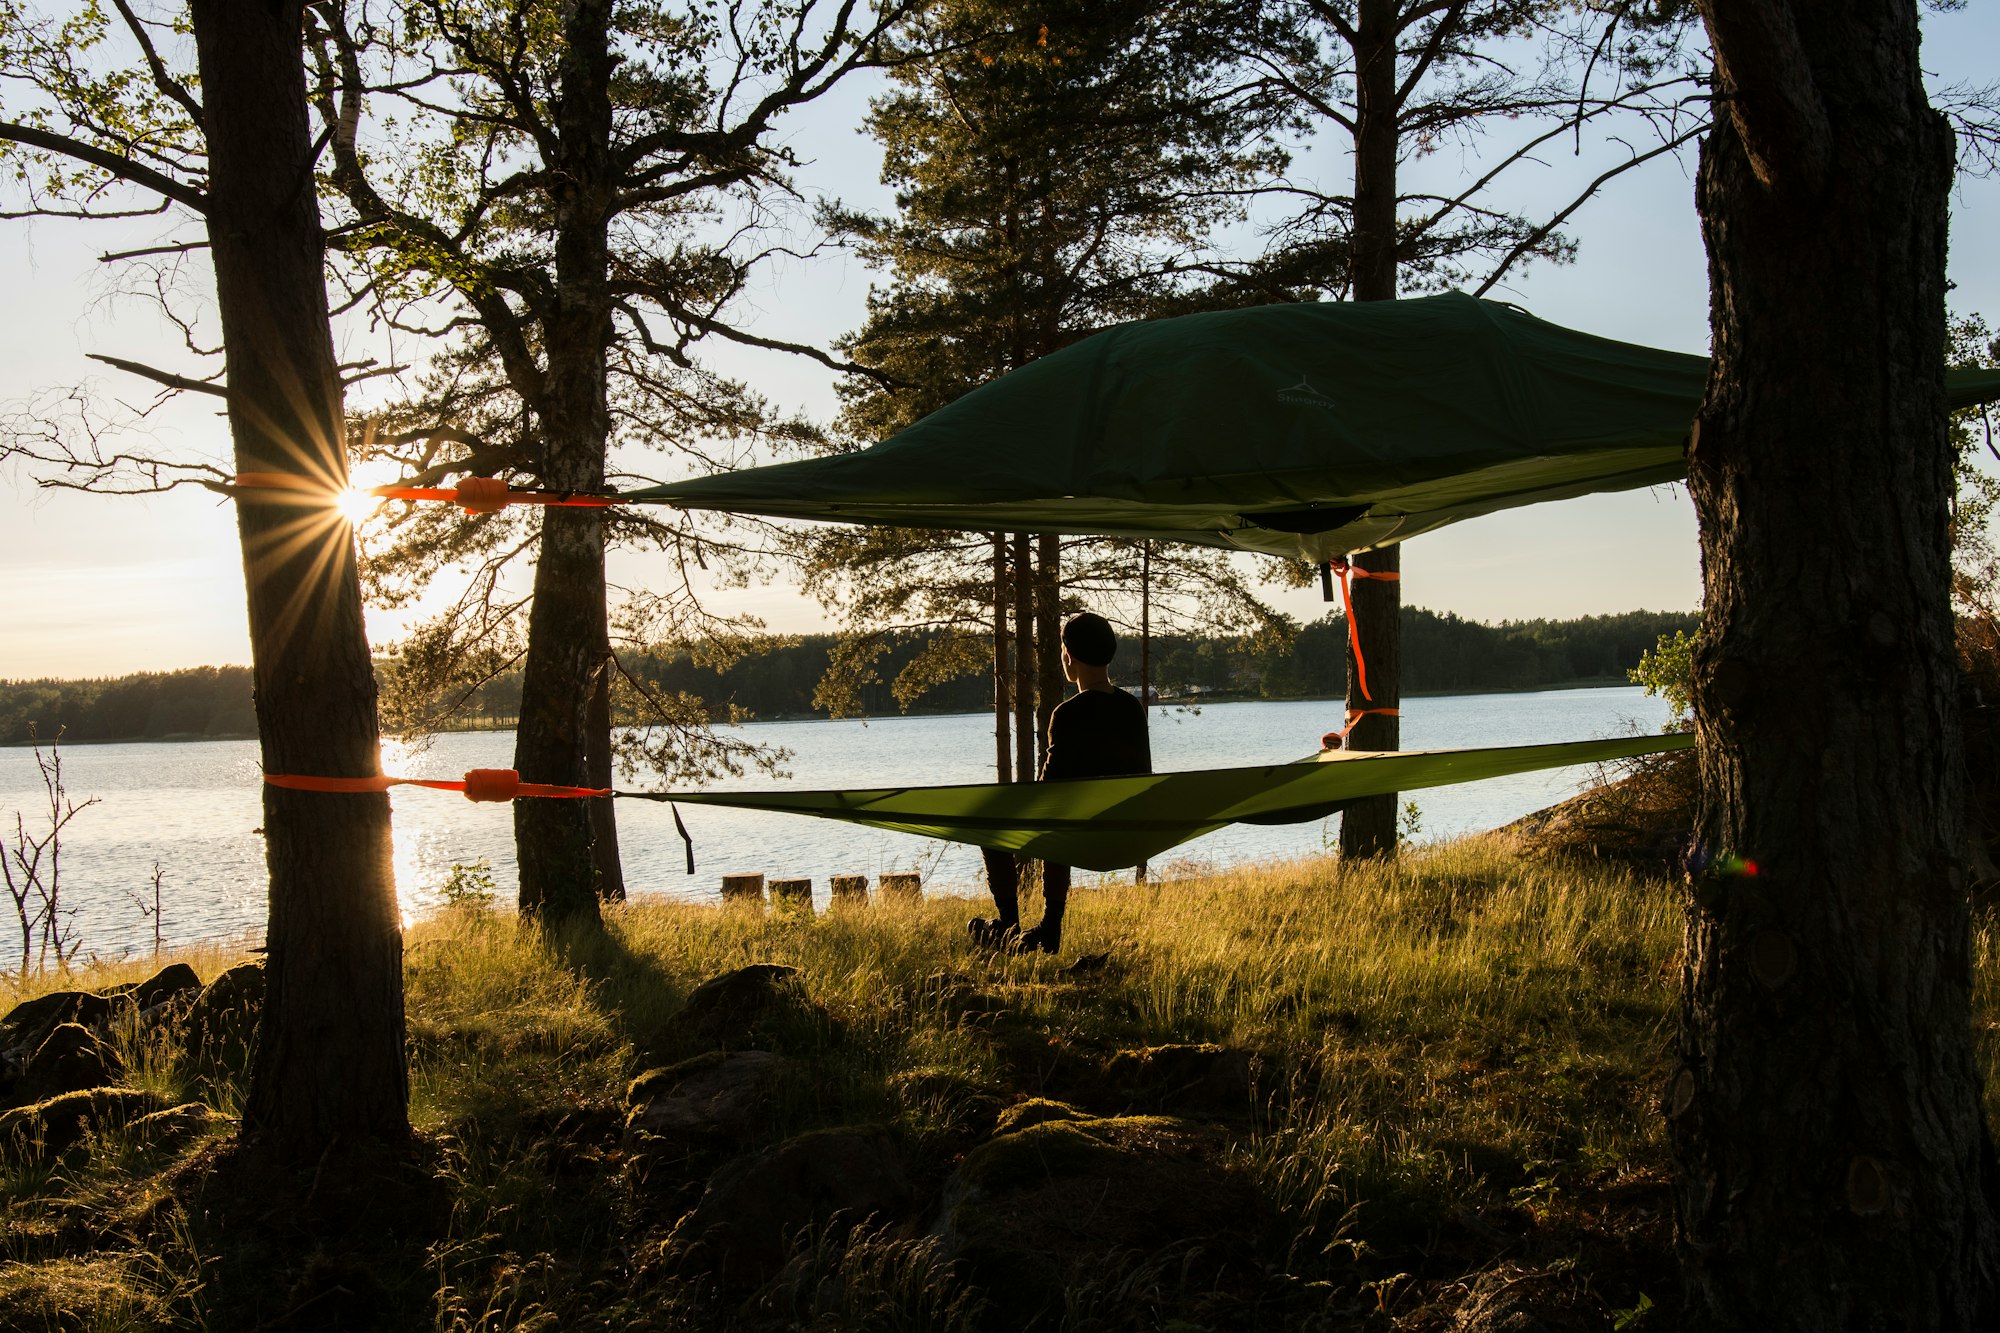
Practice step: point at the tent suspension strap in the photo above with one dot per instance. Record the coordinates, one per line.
(475, 495)
(1348, 573)
(1334, 739)
(479, 784)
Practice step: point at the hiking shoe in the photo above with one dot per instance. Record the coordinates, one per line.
(1045, 937)
(992, 933)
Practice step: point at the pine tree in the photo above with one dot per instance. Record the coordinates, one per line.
(1057, 170)
(555, 172)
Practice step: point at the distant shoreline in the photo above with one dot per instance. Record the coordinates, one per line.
(1586, 683)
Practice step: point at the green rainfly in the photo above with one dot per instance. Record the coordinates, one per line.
(1310, 430)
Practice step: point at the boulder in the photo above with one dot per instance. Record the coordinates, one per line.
(173, 982)
(29, 1023)
(70, 1059)
(755, 1208)
(49, 1129)
(1058, 1202)
(719, 1093)
(175, 1123)
(222, 1021)
(1192, 1075)
(759, 1005)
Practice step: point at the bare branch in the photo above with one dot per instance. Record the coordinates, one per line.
(166, 377)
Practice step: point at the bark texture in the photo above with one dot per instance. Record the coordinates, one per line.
(1003, 750)
(329, 1065)
(1833, 1168)
(568, 639)
(1368, 827)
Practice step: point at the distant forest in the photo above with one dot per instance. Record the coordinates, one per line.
(1441, 654)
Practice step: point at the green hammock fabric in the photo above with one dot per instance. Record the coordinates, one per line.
(1112, 823)
(1311, 430)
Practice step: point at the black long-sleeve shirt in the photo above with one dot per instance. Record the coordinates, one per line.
(1097, 734)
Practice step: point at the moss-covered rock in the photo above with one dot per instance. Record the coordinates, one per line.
(70, 1059)
(51, 1128)
(762, 1005)
(1062, 1202)
(716, 1094)
(1216, 1078)
(221, 1025)
(756, 1208)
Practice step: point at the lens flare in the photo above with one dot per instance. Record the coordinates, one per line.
(356, 505)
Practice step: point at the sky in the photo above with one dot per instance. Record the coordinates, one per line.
(96, 586)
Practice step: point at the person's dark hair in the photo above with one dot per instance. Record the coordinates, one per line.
(1090, 639)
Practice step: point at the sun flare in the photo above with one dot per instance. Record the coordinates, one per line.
(356, 505)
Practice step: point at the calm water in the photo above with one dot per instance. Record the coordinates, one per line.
(193, 808)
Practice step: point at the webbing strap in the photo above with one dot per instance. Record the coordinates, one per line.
(489, 495)
(1334, 739)
(479, 784)
(1348, 573)
(475, 495)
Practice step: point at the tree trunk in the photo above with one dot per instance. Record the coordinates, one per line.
(567, 631)
(1050, 683)
(1024, 659)
(329, 1064)
(1368, 827)
(604, 814)
(1003, 757)
(1833, 1167)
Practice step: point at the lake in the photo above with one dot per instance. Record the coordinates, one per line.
(193, 808)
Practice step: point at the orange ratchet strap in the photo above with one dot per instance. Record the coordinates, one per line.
(480, 784)
(475, 495)
(489, 495)
(1348, 573)
(1333, 740)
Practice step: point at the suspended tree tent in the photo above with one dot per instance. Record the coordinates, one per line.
(1111, 823)
(1302, 430)
(1309, 431)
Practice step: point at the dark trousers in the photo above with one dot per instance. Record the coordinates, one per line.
(1003, 880)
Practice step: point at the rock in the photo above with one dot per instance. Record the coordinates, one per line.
(754, 1005)
(51, 1128)
(1214, 1077)
(29, 1023)
(1087, 965)
(172, 982)
(755, 1207)
(175, 1123)
(959, 996)
(70, 1059)
(222, 1021)
(1059, 1202)
(714, 1094)
(1036, 1111)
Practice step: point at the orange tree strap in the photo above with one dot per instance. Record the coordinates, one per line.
(475, 495)
(1348, 573)
(489, 495)
(1334, 739)
(480, 784)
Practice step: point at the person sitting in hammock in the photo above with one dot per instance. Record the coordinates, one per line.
(1098, 732)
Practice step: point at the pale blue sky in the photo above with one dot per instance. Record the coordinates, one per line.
(94, 586)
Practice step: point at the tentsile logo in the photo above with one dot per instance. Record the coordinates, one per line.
(1303, 394)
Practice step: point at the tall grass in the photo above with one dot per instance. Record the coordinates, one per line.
(1464, 1030)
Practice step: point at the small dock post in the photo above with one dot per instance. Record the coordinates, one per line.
(849, 891)
(903, 888)
(743, 890)
(792, 895)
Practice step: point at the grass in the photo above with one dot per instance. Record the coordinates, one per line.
(1454, 1068)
